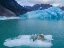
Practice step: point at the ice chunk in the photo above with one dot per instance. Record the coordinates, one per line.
(26, 41)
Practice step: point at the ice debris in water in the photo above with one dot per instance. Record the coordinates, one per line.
(7, 18)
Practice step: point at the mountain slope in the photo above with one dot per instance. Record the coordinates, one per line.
(13, 6)
(5, 12)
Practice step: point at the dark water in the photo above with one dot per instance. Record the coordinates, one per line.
(14, 28)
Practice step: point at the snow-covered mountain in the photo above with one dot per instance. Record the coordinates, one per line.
(41, 7)
(38, 6)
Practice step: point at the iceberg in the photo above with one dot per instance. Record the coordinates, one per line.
(52, 13)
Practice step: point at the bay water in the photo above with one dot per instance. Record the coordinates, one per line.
(16, 27)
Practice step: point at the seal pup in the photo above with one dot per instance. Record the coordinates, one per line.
(35, 37)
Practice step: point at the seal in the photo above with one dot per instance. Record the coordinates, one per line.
(38, 37)
(41, 37)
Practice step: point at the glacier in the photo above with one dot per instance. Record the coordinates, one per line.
(50, 13)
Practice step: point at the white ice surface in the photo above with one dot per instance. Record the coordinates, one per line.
(26, 41)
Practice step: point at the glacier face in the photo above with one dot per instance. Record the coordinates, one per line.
(50, 13)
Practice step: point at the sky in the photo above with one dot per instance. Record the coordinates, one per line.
(32, 2)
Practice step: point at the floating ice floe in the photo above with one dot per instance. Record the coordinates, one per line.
(7, 18)
(24, 40)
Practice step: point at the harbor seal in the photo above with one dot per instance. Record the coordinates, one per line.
(38, 37)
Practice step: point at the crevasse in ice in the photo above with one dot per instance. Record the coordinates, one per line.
(52, 13)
